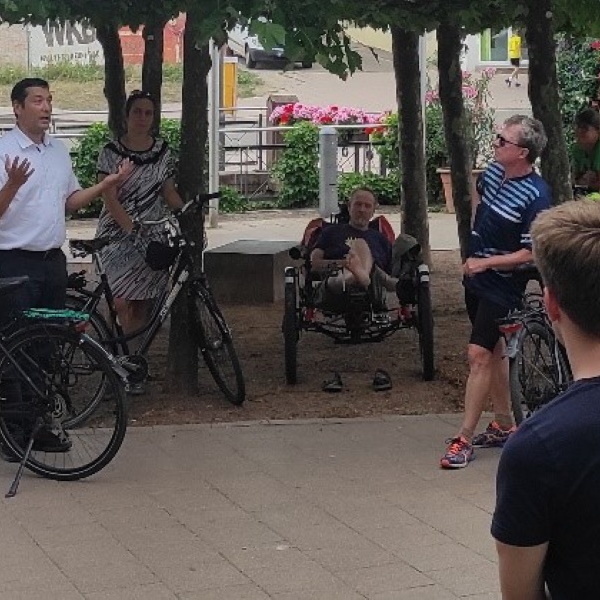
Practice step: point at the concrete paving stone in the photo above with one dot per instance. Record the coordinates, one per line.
(153, 591)
(360, 554)
(91, 576)
(399, 537)
(337, 592)
(428, 592)
(37, 574)
(157, 553)
(392, 577)
(229, 529)
(302, 574)
(192, 578)
(477, 579)
(64, 593)
(441, 556)
(237, 592)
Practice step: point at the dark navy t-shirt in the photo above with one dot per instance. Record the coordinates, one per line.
(335, 241)
(501, 226)
(548, 490)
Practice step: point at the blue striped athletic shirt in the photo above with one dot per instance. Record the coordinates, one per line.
(502, 222)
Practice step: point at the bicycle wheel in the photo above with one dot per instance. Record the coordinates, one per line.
(290, 329)
(216, 345)
(425, 326)
(53, 380)
(538, 372)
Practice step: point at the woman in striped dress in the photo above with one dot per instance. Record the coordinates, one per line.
(142, 196)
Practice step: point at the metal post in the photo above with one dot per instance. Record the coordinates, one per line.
(213, 132)
(328, 172)
(423, 70)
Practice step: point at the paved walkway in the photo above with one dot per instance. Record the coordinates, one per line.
(312, 510)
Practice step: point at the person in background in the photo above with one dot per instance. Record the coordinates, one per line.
(512, 195)
(585, 167)
(142, 197)
(546, 522)
(514, 55)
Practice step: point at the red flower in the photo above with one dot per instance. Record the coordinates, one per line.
(595, 45)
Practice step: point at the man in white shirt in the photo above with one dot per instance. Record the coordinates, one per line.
(37, 188)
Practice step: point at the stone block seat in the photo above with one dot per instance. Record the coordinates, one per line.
(248, 271)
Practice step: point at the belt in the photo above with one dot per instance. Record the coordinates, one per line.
(35, 254)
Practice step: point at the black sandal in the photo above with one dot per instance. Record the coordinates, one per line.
(382, 381)
(333, 385)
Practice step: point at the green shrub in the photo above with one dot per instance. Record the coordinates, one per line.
(385, 188)
(297, 168)
(231, 200)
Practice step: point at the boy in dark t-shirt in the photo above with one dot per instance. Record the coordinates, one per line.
(546, 522)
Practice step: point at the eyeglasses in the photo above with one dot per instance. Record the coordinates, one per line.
(502, 141)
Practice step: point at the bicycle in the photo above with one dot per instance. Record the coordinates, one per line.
(212, 334)
(55, 381)
(538, 365)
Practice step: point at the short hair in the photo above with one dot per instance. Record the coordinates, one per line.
(587, 118)
(566, 249)
(532, 136)
(361, 191)
(136, 95)
(21, 88)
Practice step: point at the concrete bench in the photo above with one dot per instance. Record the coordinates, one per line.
(248, 271)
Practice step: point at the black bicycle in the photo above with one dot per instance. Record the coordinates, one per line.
(211, 332)
(538, 366)
(62, 402)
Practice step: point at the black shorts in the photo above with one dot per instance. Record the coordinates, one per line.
(483, 315)
(515, 62)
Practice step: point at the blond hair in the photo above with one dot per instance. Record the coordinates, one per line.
(566, 248)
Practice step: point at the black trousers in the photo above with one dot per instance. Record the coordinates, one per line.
(47, 286)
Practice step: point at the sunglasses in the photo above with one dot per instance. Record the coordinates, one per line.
(502, 141)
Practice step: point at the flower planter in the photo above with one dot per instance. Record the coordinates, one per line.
(447, 184)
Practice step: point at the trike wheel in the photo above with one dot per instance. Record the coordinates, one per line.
(425, 324)
(290, 330)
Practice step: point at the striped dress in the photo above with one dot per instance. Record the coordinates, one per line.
(124, 260)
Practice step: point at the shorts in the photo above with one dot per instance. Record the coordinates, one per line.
(515, 62)
(483, 315)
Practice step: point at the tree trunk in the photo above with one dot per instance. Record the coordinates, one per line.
(114, 76)
(543, 94)
(182, 360)
(405, 50)
(152, 66)
(449, 38)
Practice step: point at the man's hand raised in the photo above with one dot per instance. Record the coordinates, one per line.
(18, 171)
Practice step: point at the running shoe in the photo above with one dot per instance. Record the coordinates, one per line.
(493, 436)
(458, 455)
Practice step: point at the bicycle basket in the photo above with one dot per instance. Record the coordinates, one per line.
(160, 256)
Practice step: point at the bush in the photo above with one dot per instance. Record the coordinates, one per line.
(385, 188)
(297, 168)
(231, 200)
(577, 65)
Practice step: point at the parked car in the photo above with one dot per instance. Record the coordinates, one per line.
(242, 43)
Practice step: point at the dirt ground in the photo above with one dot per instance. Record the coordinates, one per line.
(259, 343)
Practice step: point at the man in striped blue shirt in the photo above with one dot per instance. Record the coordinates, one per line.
(512, 194)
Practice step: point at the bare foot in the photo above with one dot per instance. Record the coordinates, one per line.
(361, 276)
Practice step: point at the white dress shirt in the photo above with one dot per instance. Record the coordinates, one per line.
(35, 219)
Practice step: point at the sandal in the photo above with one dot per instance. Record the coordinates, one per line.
(333, 385)
(382, 381)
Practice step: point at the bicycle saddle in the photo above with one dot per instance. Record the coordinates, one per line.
(89, 246)
(8, 284)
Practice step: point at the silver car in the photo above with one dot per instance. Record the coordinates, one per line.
(242, 43)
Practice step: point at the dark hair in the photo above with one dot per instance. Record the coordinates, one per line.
(588, 118)
(19, 91)
(136, 95)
